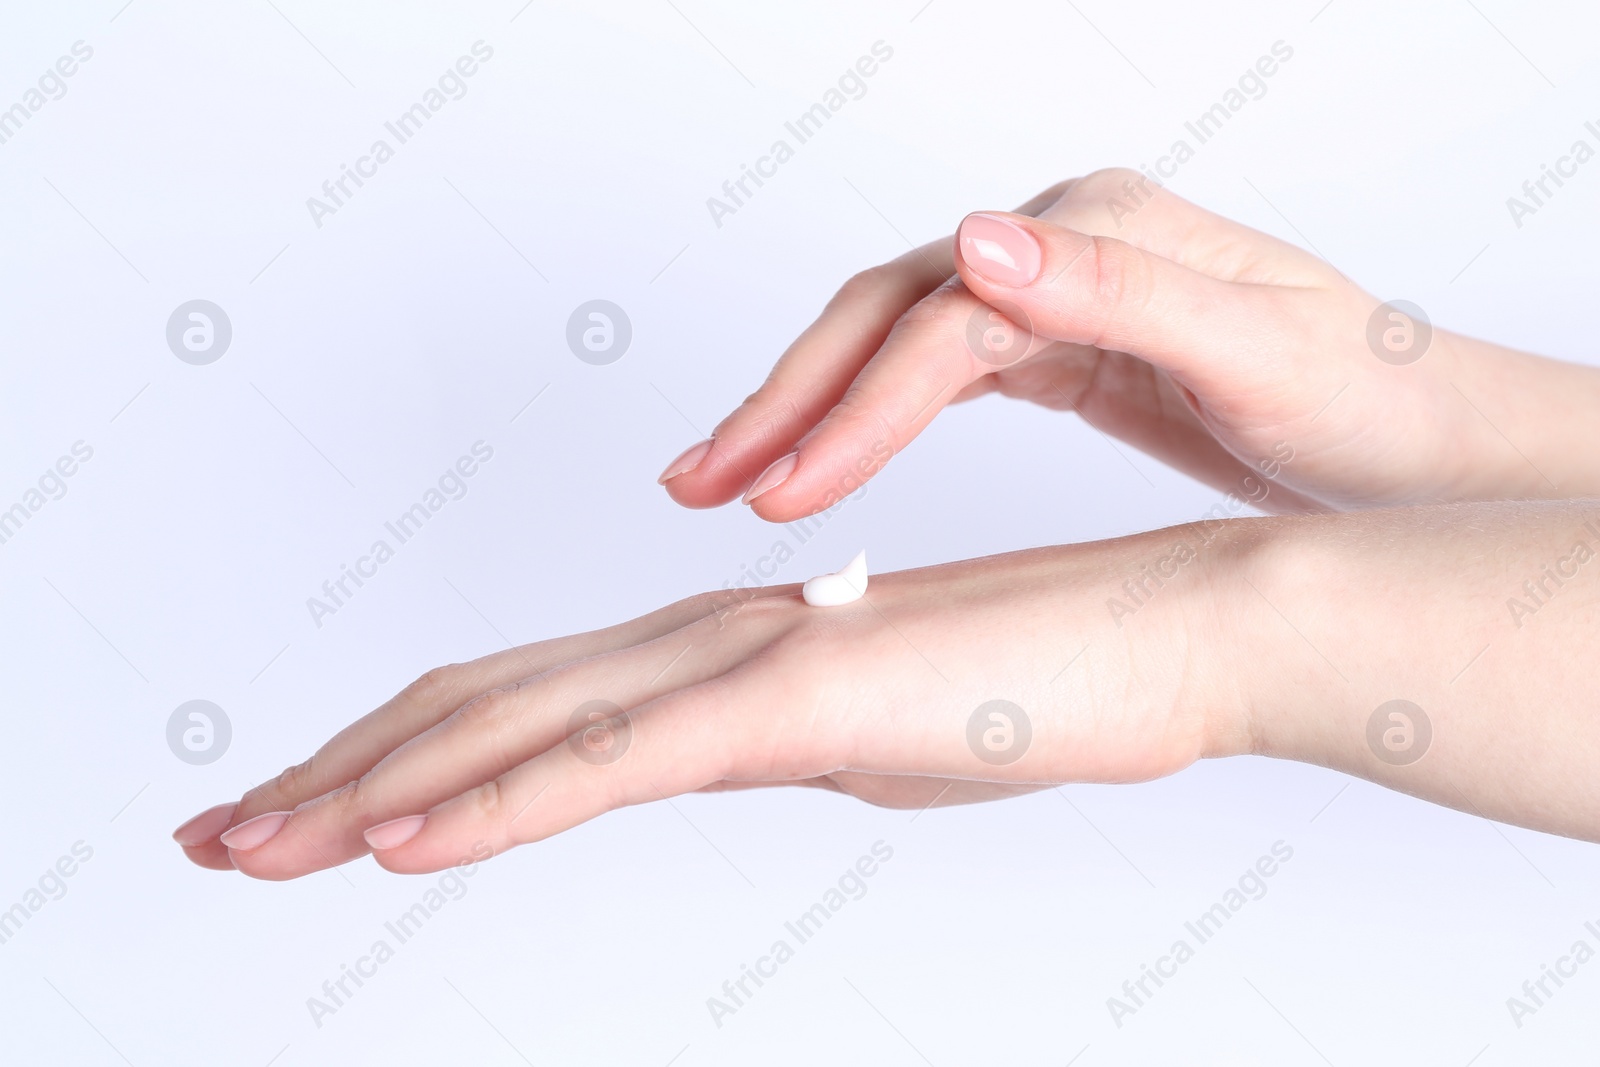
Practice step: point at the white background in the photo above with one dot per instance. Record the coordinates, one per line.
(370, 353)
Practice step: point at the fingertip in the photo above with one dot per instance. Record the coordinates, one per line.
(253, 833)
(778, 472)
(717, 477)
(394, 833)
(1000, 248)
(777, 496)
(691, 458)
(777, 511)
(691, 491)
(793, 504)
(421, 853)
(207, 826)
(263, 873)
(402, 861)
(212, 856)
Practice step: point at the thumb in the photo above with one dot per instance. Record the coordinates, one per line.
(1100, 291)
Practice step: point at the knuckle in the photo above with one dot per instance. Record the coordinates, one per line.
(737, 608)
(946, 308)
(486, 803)
(1116, 282)
(297, 781)
(715, 610)
(355, 800)
(1049, 197)
(1108, 181)
(1099, 202)
(493, 713)
(770, 412)
(678, 613)
(433, 685)
(740, 605)
(860, 418)
(865, 286)
(1108, 278)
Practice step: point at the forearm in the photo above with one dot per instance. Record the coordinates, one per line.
(1520, 425)
(1482, 616)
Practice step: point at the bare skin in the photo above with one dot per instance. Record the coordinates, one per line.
(1197, 340)
(1200, 342)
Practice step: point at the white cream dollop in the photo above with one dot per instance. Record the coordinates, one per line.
(843, 587)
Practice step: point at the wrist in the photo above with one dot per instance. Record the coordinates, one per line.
(1281, 595)
(1261, 613)
(1439, 651)
(1225, 620)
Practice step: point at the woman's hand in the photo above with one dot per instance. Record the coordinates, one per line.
(1444, 651)
(1217, 349)
(888, 699)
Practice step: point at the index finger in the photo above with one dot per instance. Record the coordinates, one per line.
(359, 747)
(814, 374)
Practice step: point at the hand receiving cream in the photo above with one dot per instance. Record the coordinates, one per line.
(845, 587)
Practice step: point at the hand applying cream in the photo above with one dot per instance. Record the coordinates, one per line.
(845, 587)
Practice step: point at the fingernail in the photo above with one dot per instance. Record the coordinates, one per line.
(205, 826)
(687, 462)
(253, 833)
(395, 832)
(772, 477)
(1000, 250)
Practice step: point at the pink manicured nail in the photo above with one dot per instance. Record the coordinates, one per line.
(1000, 250)
(205, 826)
(395, 832)
(773, 476)
(253, 833)
(687, 462)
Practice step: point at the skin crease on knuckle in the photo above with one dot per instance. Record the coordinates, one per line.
(942, 313)
(433, 684)
(859, 424)
(770, 419)
(1094, 190)
(297, 781)
(495, 719)
(862, 286)
(486, 803)
(1118, 282)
